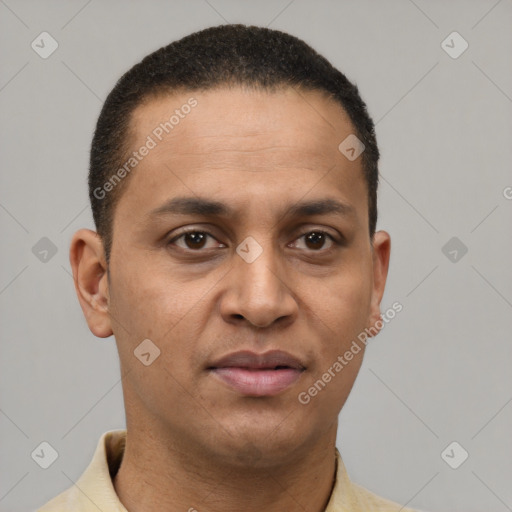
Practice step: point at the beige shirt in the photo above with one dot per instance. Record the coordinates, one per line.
(95, 491)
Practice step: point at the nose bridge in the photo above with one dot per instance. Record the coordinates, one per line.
(259, 265)
(259, 291)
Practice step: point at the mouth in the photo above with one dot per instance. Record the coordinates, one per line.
(252, 374)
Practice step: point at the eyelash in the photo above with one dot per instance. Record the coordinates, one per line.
(317, 231)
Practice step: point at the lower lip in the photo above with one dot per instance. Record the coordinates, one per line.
(258, 382)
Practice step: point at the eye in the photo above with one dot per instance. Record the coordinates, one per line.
(315, 240)
(193, 240)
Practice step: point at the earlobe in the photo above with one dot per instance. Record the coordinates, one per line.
(87, 258)
(381, 255)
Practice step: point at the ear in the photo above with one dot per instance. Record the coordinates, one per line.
(380, 253)
(87, 258)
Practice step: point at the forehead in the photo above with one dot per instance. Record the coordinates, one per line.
(239, 144)
(288, 116)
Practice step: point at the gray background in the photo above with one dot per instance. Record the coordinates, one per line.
(439, 372)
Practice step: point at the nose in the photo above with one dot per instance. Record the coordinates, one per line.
(258, 292)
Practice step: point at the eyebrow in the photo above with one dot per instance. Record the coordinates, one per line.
(207, 207)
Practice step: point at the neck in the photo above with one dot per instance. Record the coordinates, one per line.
(157, 474)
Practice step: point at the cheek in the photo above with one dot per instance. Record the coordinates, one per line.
(147, 300)
(342, 310)
(138, 304)
(339, 319)
(147, 305)
(342, 304)
(150, 303)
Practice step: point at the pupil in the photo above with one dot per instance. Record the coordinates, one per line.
(316, 238)
(196, 238)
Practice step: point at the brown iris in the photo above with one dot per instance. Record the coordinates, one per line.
(197, 238)
(316, 239)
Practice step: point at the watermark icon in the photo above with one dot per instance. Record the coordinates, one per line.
(507, 192)
(304, 397)
(454, 45)
(249, 250)
(351, 147)
(44, 45)
(454, 249)
(146, 352)
(152, 141)
(44, 455)
(454, 455)
(44, 249)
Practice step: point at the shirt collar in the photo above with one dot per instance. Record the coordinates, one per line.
(95, 487)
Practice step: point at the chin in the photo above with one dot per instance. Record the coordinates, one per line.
(257, 447)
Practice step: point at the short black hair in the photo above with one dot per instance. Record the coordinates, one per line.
(225, 55)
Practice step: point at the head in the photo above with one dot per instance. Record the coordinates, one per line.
(232, 135)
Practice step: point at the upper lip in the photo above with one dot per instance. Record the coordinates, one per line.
(248, 359)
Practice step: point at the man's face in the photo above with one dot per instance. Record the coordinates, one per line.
(204, 296)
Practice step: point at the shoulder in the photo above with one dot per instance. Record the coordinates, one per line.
(94, 490)
(349, 496)
(62, 502)
(370, 502)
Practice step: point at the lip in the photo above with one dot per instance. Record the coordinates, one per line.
(253, 374)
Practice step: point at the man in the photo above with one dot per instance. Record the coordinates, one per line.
(233, 183)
